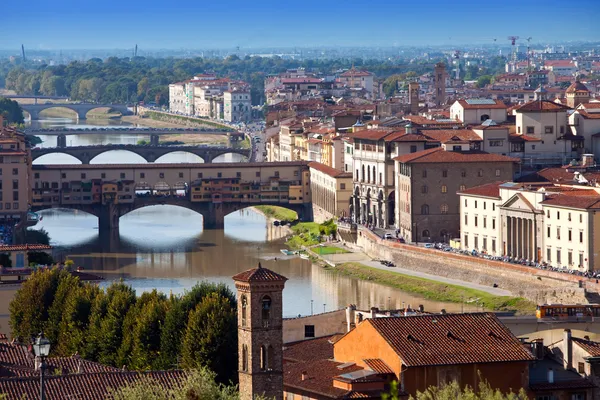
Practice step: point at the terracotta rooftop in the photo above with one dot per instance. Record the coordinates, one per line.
(499, 104)
(21, 247)
(354, 72)
(576, 86)
(259, 274)
(572, 201)
(450, 339)
(406, 137)
(487, 190)
(371, 134)
(589, 115)
(445, 135)
(542, 106)
(439, 155)
(378, 365)
(590, 347)
(83, 386)
(326, 169)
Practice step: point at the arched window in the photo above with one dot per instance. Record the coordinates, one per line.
(374, 175)
(444, 208)
(480, 173)
(444, 189)
(270, 358)
(462, 187)
(244, 302)
(363, 174)
(424, 189)
(424, 209)
(244, 358)
(263, 358)
(266, 311)
(425, 234)
(368, 175)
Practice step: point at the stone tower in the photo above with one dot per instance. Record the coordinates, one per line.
(576, 94)
(439, 87)
(413, 95)
(260, 334)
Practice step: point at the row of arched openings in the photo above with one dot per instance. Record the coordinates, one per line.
(267, 358)
(265, 305)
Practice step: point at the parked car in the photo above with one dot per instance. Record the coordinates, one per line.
(387, 236)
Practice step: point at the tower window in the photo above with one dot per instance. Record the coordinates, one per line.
(244, 358)
(266, 311)
(244, 302)
(270, 358)
(263, 358)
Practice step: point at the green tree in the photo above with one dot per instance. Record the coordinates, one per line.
(29, 308)
(67, 284)
(143, 86)
(11, 111)
(484, 80)
(73, 326)
(211, 338)
(453, 391)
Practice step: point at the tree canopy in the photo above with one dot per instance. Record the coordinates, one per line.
(116, 327)
(11, 111)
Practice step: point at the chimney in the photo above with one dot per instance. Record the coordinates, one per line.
(567, 349)
(550, 375)
(374, 311)
(421, 308)
(304, 375)
(350, 310)
(443, 311)
(586, 337)
(408, 128)
(360, 317)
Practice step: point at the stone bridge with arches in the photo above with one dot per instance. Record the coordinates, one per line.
(86, 154)
(110, 191)
(81, 109)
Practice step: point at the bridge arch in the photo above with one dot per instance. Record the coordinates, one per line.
(51, 111)
(55, 158)
(180, 156)
(103, 157)
(229, 156)
(110, 110)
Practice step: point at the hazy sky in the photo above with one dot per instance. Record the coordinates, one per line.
(153, 24)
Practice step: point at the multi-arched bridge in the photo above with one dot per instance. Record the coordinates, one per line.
(110, 191)
(86, 154)
(81, 109)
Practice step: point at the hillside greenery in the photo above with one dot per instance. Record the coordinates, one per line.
(120, 80)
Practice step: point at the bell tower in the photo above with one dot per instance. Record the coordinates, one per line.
(260, 334)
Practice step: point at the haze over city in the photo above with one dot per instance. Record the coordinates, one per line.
(73, 24)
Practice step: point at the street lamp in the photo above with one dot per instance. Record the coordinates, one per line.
(41, 347)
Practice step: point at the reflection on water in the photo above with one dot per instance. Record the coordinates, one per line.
(165, 247)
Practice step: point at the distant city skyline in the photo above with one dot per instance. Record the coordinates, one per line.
(75, 24)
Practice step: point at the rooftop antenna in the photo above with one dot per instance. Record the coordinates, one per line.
(528, 54)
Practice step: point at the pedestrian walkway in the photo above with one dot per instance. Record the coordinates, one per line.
(360, 257)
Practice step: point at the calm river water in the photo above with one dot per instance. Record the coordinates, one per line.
(165, 247)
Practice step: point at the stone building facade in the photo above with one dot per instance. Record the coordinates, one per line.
(331, 191)
(427, 182)
(260, 333)
(237, 106)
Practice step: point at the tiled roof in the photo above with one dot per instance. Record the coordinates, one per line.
(576, 86)
(439, 155)
(419, 120)
(542, 106)
(259, 274)
(354, 72)
(372, 134)
(523, 138)
(378, 365)
(83, 386)
(444, 135)
(487, 190)
(307, 350)
(570, 201)
(21, 247)
(3, 338)
(450, 339)
(499, 105)
(326, 169)
(575, 384)
(406, 137)
(301, 80)
(592, 348)
(595, 105)
(318, 379)
(588, 115)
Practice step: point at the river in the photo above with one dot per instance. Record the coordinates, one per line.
(165, 247)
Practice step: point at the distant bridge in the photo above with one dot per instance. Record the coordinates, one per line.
(150, 153)
(214, 190)
(81, 109)
(135, 131)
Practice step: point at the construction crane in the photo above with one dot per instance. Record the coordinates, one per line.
(528, 54)
(513, 42)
